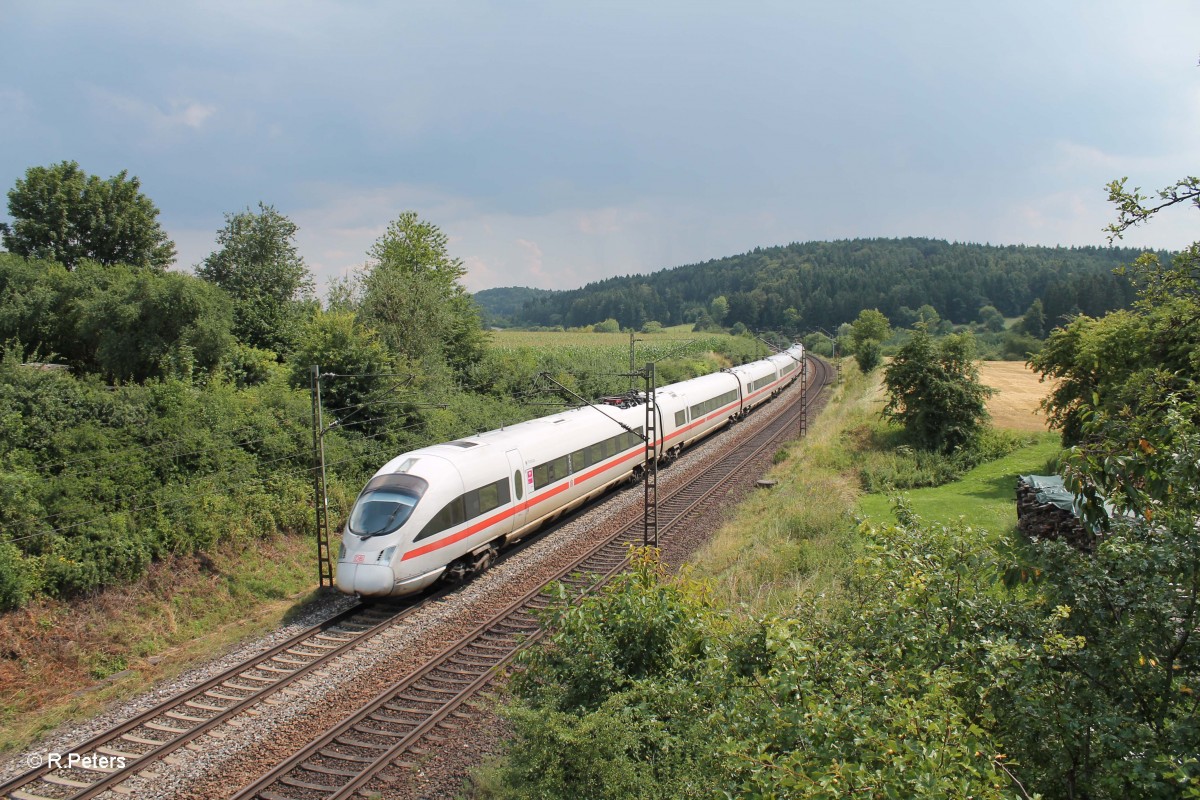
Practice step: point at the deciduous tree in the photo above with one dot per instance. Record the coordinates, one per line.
(258, 264)
(935, 393)
(411, 292)
(866, 335)
(60, 213)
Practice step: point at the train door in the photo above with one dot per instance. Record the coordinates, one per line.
(522, 483)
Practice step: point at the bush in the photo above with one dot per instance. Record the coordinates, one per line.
(814, 706)
(17, 581)
(892, 466)
(609, 325)
(869, 356)
(934, 392)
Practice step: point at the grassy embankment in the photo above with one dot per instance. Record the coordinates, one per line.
(69, 660)
(800, 536)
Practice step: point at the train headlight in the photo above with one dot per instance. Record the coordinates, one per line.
(341, 551)
(385, 556)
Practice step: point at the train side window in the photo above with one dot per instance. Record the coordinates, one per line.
(559, 468)
(452, 514)
(472, 503)
(680, 418)
(492, 496)
(578, 461)
(518, 485)
(551, 471)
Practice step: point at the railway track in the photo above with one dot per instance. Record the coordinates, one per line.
(370, 748)
(156, 733)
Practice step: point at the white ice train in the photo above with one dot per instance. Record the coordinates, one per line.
(446, 510)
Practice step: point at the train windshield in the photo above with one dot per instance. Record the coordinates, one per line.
(381, 511)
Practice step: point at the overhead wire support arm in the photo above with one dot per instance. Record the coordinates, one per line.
(587, 402)
(771, 347)
(650, 438)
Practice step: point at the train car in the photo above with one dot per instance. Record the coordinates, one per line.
(757, 379)
(445, 510)
(694, 408)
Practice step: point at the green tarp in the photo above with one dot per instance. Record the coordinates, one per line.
(1050, 489)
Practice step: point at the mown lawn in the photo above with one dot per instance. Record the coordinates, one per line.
(986, 495)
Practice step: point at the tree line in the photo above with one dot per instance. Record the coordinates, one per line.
(802, 286)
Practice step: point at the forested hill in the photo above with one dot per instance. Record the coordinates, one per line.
(502, 306)
(827, 283)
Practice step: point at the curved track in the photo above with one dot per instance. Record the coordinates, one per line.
(368, 749)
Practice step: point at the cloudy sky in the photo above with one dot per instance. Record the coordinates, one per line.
(561, 142)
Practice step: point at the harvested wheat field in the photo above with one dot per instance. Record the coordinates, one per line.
(1015, 403)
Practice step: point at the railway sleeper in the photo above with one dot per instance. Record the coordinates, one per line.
(205, 706)
(379, 716)
(347, 741)
(516, 627)
(240, 688)
(423, 713)
(428, 687)
(59, 780)
(428, 701)
(284, 660)
(451, 676)
(133, 737)
(276, 670)
(112, 751)
(330, 753)
(288, 780)
(324, 770)
(367, 729)
(465, 672)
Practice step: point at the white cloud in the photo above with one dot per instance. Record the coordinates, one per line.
(154, 120)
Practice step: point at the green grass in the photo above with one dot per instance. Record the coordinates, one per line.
(985, 496)
(798, 537)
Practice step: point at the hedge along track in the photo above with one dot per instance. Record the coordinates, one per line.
(154, 734)
(368, 748)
